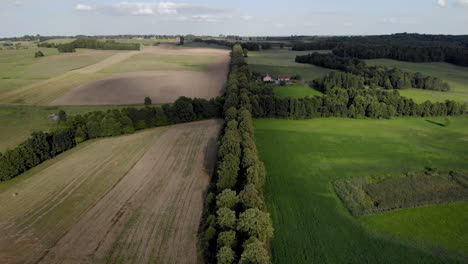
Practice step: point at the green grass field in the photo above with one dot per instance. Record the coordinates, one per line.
(312, 225)
(155, 62)
(295, 91)
(19, 68)
(456, 76)
(282, 61)
(18, 122)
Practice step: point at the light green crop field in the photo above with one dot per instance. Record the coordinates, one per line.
(456, 76)
(147, 42)
(295, 91)
(312, 225)
(19, 68)
(18, 122)
(282, 61)
(60, 40)
(157, 62)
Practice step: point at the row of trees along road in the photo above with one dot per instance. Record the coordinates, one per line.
(91, 43)
(376, 76)
(70, 131)
(236, 227)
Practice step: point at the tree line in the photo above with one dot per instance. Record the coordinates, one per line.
(73, 130)
(251, 46)
(403, 47)
(91, 43)
(381, 76)
(236, 227)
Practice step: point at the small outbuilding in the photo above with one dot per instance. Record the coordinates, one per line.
(268, 78)
(284, 78)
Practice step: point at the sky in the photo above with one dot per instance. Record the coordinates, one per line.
(232, 17)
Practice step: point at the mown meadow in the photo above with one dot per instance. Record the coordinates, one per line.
(281, 61)
(304, 157)
(295, 91)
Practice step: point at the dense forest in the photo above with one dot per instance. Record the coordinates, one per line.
(236, 227)
(404, 47)
(91, 43)
(388, 78)
(345, 95)
(72, 130)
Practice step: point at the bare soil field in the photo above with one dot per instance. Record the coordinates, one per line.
(88, 209)
(161, 86)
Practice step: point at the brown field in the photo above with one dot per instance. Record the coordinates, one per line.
(129, 199)
(161, 86)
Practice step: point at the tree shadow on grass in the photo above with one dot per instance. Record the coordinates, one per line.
(435, 123)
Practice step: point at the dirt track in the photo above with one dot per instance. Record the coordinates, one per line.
(152, 214)
(161, 86)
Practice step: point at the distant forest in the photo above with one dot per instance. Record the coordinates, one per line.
(403, 47)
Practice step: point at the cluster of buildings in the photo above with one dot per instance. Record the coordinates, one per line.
(280, 78)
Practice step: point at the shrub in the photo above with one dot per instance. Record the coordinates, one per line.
(148, 100)
(227, 238)
(226, 218)
(225, 255)
(256, 223)
(227, 198)
(254, 253)
(250, 197)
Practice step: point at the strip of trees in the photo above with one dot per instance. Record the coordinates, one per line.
(91, 43)
(376, 76)
(73, 130)
(404, 47)
(251, 46)
(345, 95)
(236, 227)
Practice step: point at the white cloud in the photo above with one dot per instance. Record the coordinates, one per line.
(462, 3)
(442, 3)
(18, 3)
(400, 20)
(247, 17)
(81, 7)
(147, 8)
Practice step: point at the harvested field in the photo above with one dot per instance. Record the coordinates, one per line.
(162, 86)
(148, 212)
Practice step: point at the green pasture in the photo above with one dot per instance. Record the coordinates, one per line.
(19, 68)
(295, 91)
(157, 62)
(312, 225)
(18, 122)
(282, 61)
(456, 76)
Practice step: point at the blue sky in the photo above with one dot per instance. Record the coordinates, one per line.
(241, 17)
